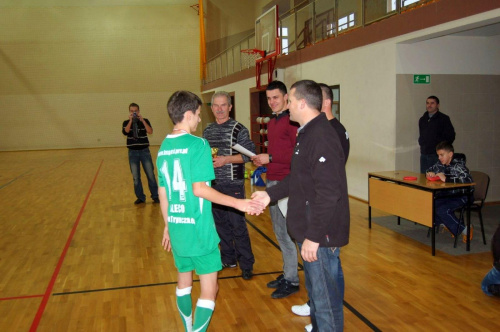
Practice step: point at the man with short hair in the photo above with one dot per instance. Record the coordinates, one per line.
(137, 128)
(326, 107)
(185, 171)
(434, 127)
(229, 167)
(318, 206)
(281, 135)
(452, 170)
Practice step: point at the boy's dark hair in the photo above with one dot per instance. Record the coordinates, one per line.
(444, 145)
(133, 105)
(310, 91)
(277, 85)
(327, 90)
(435, 98)
(181, 102)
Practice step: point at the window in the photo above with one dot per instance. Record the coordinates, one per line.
(336, 101)
(408, 2)
(284, 41)
(346, 22)
(330, 29)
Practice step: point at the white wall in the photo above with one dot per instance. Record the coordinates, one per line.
(68, 73)
(368, 117)
(450, 55)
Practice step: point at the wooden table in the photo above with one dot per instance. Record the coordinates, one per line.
(410, 199)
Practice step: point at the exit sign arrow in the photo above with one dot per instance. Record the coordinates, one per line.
(421, 79)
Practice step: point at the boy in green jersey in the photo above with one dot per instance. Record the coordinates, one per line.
(185, 170)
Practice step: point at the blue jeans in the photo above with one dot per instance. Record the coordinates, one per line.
(287, 245)
(427, 161)
(492, 278)
(325, 287)
(135, 158)
(445, 213)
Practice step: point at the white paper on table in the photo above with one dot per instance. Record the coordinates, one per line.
(244, 151)
(283, 206)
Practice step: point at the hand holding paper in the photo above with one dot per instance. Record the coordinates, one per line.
(244, 151)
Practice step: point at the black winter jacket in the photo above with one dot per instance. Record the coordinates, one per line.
(433, 131)
(318, 205)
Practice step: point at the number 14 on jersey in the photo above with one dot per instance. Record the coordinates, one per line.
(178, 184)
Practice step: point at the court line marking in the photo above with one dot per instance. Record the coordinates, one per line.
(14, 179)
(47, 294)
(152, 285)
(22, 175)
(267, 238)
(20, 297)
(347, 305)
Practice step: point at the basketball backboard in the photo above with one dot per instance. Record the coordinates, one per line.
(266, 32)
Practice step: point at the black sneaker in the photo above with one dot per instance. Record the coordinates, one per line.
(284, 289)
(246, 274)
(275, 283)
(138, 201)
(156, 200)
(494, 289)
(228, 265)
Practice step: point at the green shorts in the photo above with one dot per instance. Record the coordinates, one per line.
(201, 264)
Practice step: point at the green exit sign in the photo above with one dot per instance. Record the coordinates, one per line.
(421, 79)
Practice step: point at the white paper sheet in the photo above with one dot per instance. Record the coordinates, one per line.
(244, 151)
(283, 206)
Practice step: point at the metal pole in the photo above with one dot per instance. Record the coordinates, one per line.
(336, 17)
(314, 23)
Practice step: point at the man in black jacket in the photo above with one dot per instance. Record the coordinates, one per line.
(318, 206)
(434, 127)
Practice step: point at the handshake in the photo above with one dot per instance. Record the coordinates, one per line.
(256, 205)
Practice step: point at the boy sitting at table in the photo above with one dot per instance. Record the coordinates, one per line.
(451, 170)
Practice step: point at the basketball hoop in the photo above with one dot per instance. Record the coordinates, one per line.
(250, 56)
(253, 56)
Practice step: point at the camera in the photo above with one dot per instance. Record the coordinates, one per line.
(134, 115)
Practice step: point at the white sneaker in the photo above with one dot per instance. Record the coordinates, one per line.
(309, 327)
(301, 310)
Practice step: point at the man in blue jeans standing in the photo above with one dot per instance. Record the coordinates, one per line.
(137, 128)
(281, 137)
(318, 207)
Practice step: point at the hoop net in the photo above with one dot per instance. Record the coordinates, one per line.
(250, 56)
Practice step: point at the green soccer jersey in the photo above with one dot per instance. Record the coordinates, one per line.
(183, 160)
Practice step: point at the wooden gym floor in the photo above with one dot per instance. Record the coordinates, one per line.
(78, 255)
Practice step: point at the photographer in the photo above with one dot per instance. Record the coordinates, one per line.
(137, 128)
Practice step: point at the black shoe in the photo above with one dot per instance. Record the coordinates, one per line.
(138, 201)
(247, 274)
(228, 265)
(494, 289)
(156, 200)
(275, 283)
(285, 288)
